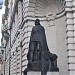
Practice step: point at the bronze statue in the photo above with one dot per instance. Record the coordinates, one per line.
(39, 56)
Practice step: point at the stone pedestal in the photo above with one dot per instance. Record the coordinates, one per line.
(39, 73)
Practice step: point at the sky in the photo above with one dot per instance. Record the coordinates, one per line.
(2, 11)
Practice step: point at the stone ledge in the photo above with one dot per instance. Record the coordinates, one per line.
(39, 73)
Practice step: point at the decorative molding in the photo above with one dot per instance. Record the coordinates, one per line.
(38, 8)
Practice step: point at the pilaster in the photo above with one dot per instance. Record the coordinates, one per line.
(72, 65)
(70, 35)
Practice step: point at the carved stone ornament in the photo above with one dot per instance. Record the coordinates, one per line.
(50, 18)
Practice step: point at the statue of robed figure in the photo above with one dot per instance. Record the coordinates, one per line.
(39, 57)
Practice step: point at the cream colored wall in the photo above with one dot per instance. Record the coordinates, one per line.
(61, 45)
(50, 36)
(56, 39)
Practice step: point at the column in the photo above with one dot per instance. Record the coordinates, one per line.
(70, 35)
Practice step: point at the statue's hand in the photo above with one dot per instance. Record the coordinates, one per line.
(54, 57)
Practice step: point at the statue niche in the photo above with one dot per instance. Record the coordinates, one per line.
(39, 57)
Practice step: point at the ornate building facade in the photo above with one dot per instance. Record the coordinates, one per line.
(58, 19)
(1, 63)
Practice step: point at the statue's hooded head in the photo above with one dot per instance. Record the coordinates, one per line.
(37, 22)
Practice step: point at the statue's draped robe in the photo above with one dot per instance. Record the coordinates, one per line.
(38, 35)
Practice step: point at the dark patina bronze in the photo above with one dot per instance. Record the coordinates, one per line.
(39, 57)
